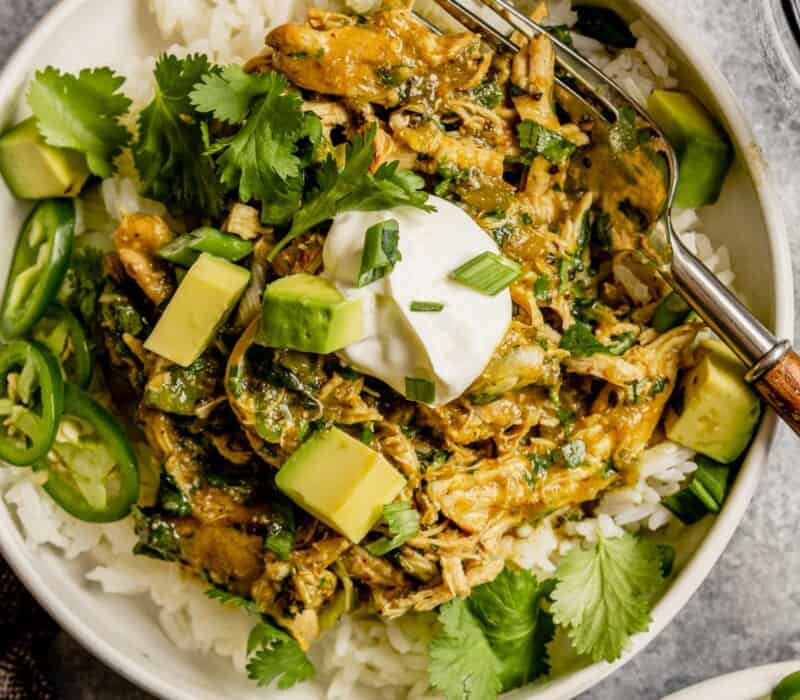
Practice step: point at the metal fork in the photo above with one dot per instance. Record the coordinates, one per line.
(773, 366)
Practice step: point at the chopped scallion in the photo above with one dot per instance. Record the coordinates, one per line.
(381, 251)
(420, 390)
(489, 273)
(426, 306)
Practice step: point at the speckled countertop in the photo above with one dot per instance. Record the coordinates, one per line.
(748, 611)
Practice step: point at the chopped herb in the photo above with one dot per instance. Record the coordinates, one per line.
(601, 230)
(567, 419)
(427, 306)
(381, 251)
(579, 340)
(402, 519)
(659, 386)
(622, 136)
(620, 344)
(542, 287)
(537, 139)
(488, 273)
(501, 234)
(561, 33)
(282, 529)
(367, 434)
(488, 94)
(420, 390)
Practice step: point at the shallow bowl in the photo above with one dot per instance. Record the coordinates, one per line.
(124, 632)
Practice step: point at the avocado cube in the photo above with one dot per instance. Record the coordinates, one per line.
(308, 313)
(205, 298)
(715, 412)
(341, 482)
(33, 169)
(704, 150)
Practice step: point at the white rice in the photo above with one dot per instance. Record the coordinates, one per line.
(365, 651)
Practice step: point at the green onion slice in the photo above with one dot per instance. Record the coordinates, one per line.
(420, 390)
(427, 306)
(489, 273)
(381, 251)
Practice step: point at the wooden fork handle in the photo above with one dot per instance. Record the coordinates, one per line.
(780, 387)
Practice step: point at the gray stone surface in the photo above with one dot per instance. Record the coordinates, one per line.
(748, 611)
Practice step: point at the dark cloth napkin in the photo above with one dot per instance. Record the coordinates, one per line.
(26, 633)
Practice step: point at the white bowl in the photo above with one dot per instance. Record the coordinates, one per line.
(750, 684)
(124, 632)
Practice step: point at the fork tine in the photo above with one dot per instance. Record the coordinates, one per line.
(477, 24)
(584, 77)
(456, 9)
(425, 22)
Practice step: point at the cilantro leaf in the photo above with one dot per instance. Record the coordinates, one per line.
(228, 93)
(509, 612)
(495, 640)
(274, 654)
(604, 594)
(540, 140)
(354, 188)
(262, 159)
(228, 598)
(579, 340)
(463, 665)
(82, 113)
(170, 153)
(80, 289)
(403, 522)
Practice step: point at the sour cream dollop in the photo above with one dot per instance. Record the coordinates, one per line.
(450, 348)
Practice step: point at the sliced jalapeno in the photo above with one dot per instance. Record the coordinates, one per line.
(32, 399)
(63, 334)
(40, 264)
(92, 472)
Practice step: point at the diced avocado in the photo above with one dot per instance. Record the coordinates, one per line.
(33, 169)
(205, 297)
(704, 149)
(308, 313)
(715, 411)
(340, 481)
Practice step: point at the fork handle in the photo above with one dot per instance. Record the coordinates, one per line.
(780, 388)
(773, 367)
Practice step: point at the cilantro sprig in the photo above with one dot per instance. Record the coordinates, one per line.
(355, 188)
(82, 112)
(170, 152)
(604, 594)
(495, 640)
(265, 160)
(274, 654)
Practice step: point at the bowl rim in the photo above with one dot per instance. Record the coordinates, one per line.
(715, 540)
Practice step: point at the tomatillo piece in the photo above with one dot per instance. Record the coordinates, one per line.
(788, 688)
(63, 334)
(39, 266)
(92, 469)
(32, 400)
